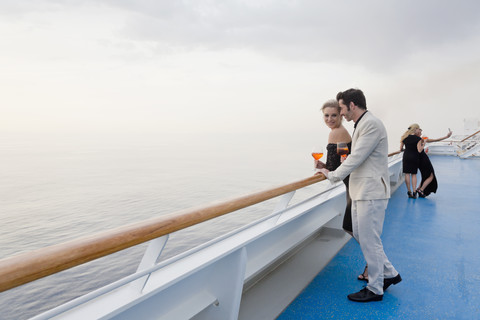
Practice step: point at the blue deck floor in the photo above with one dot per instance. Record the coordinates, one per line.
(435, 245)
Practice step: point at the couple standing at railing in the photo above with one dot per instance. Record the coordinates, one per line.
(414, 158)
(368, 185)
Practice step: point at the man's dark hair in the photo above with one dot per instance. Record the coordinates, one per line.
(353, 95)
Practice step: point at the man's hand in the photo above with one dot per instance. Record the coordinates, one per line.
(324, 172)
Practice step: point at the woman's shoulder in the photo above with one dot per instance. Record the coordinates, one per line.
(339, 134)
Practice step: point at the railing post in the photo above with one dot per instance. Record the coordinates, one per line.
(282, 204)
(153, 251)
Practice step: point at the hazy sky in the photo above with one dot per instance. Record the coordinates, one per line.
(145, 66)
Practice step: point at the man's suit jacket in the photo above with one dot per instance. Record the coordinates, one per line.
(368, 162)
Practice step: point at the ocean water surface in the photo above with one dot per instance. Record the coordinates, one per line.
(59, 188)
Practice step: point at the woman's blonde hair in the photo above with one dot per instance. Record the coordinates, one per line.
(332, 104)
(411, 130)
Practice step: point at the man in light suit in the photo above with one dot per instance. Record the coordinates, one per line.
(369, 189)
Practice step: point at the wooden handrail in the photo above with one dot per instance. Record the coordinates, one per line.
(30, 266)
(470, 136)
(394, 153)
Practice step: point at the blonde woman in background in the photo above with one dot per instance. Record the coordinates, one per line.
(411, 157)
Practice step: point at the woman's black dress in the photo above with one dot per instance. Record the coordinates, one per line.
(333, 162)
(411, 157)
(426, 169)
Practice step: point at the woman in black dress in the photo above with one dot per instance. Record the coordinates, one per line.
(429, 181)
(411, 157)
(338, 133)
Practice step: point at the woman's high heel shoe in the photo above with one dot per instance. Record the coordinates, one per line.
(412, 195)
(420, 193)
(364, 275)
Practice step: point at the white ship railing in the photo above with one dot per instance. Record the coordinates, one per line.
(461, 146)
(206, 282)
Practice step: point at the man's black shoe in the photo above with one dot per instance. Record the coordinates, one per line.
(389, 281)
(365, 295)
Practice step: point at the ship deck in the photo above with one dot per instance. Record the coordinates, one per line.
(432, 242)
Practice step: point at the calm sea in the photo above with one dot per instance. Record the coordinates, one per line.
(58, 188)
